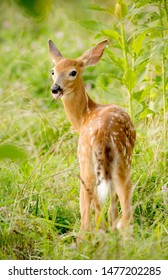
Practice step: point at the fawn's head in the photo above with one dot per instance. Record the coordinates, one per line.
(67, 73)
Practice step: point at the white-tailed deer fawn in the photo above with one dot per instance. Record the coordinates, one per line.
(106, 140)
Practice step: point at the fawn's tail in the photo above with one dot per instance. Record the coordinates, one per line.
(103, 156)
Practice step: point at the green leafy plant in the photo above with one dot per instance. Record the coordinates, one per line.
(138, 53)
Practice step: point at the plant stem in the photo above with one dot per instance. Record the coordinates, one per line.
(124, 45)
(124, 50)
(164, 107)
(164, 81)
(166, 9)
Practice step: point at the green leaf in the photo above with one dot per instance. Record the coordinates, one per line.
(121, 9)
(137, 43)
(9, 151)
(142, 74)
(143, 58)
(96, 8)
(111, 34)
(145, 92)
(129, 79)
(145, 113)
(137, 107)
(109, 10)
(119, 62)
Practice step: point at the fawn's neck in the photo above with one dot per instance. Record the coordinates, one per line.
(77, 106)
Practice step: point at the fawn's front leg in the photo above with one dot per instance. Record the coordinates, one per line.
(87, 179)
(86, 195)
(85, 201)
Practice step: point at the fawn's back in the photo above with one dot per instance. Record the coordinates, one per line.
(108, 138)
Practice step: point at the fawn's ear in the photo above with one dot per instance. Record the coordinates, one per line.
(55, 54)
(93, 55)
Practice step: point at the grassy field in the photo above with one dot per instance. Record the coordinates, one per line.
(39, 188)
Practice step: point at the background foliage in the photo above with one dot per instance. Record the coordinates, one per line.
(39, 185)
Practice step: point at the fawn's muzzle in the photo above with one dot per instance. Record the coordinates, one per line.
(56, 89)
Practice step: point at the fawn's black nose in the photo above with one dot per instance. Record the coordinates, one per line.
(56, 89)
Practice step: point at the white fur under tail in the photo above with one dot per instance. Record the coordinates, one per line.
(103, 191)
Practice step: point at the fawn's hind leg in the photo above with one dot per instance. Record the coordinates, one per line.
(113, 209)
(99, 219)
(124, 192)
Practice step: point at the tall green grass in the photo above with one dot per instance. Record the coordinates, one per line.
(39, 190)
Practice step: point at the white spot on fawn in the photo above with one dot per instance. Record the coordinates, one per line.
(112, 141)
(90, 130)
(115, 133)
(92, 139)
(124, 151)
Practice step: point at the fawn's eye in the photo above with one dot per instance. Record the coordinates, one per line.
(52, 72)
(73, 73)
